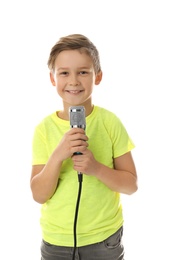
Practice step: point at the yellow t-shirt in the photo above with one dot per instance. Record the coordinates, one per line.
(100, 209)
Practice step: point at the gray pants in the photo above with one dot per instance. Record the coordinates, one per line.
(110, 249)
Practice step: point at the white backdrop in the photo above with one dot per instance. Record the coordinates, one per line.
(135, 42)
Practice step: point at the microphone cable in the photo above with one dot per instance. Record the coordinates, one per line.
(80, 179)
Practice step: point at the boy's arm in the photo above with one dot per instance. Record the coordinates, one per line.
(44, 179)
(122, 179)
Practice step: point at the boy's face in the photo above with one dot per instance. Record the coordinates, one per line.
(74, 77)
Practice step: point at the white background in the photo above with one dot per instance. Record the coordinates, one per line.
(135, 41)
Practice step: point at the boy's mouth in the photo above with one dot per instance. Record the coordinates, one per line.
(74, 91)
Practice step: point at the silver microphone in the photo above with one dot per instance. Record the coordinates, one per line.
(77, 117)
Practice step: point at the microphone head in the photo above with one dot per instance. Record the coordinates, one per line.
(77, 117)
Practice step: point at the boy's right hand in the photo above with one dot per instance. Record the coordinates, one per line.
(75, 140)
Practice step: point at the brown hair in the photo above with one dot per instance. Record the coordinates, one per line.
(73, 42)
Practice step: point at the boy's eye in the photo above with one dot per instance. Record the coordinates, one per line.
(83, 72)
(64, 73)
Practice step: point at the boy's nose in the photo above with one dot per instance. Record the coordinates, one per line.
(73, 81)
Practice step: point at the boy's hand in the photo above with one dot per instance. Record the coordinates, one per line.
(75, 140)
(85, 163)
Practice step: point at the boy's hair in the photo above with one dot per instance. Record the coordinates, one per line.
(75, 42)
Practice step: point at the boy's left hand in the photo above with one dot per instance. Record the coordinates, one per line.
(85, 163)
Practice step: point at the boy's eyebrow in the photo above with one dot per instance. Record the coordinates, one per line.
(66, 68)
(62, 68)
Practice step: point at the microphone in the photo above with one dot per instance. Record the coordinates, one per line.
(77, 120)
(77, 117)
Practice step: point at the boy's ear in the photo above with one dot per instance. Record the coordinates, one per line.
(98, 78)
(52, 78)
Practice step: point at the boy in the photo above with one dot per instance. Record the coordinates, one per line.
(105, 162)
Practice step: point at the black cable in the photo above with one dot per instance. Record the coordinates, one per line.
(80, 178)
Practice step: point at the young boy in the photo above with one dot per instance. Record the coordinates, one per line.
(101, 153)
